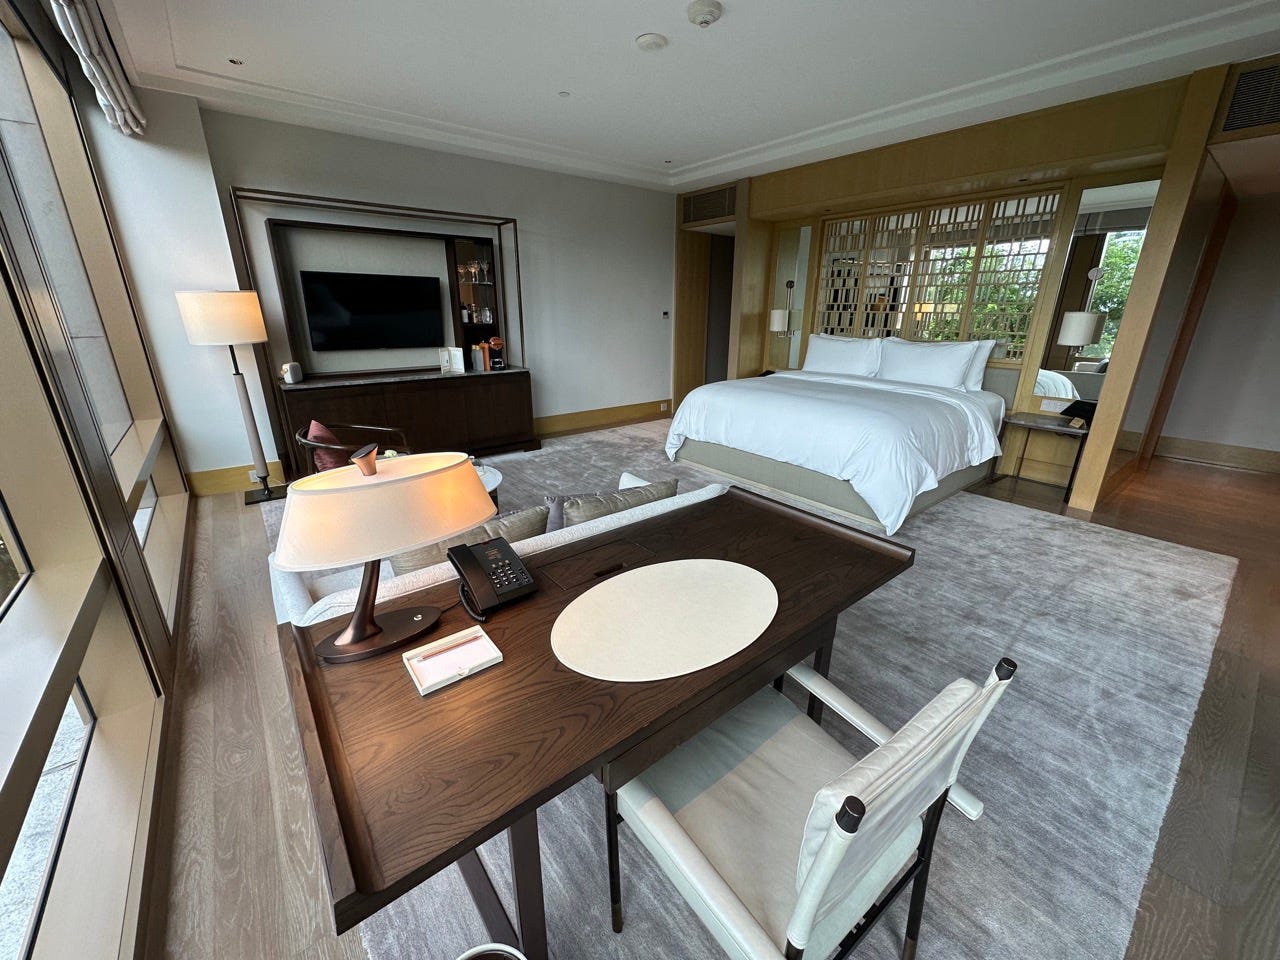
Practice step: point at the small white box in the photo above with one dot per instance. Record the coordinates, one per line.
(441, 662)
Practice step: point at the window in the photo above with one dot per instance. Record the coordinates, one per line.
(13, 564)
(23, 884)
(967, 271)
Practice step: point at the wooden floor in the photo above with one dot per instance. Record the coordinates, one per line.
(1214, 889)
(244, 877)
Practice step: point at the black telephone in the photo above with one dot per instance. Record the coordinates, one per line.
(490, 575)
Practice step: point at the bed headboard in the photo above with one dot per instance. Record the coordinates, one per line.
(1002, 380)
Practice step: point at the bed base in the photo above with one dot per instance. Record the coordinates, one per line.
(813, 488)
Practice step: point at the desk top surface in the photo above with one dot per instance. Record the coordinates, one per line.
(404, 785)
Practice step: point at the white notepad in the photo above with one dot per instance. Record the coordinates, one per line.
(441, 662)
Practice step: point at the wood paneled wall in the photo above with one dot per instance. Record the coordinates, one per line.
(1131, 128)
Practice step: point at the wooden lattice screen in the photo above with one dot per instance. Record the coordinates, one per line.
(968, 271)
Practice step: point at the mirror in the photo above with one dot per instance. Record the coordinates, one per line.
(1108, 235)
(786, 315)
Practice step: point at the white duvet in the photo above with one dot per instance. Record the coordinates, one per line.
(892, 441)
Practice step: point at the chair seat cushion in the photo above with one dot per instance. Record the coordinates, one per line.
(741, 791)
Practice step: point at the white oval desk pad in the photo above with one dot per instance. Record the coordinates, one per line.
(664, 620)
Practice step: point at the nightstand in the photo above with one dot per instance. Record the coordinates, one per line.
(1048, 423)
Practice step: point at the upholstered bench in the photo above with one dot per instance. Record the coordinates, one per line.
(308, 598)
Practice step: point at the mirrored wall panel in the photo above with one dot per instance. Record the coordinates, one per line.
(1106, 242)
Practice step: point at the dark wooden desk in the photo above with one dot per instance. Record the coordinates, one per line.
(405, 785)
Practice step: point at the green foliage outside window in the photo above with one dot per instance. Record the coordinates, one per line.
(1119, 260)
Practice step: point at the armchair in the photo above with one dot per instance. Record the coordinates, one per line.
(331, 446)
(781, 841)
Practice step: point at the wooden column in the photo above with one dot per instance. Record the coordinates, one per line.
(689, 328)
(749, 312)
(1182, 168)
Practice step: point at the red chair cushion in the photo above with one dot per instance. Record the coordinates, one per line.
(325, 459)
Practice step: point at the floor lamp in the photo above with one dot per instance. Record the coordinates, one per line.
(225, 318)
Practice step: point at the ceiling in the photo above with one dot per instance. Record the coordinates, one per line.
(771, 85)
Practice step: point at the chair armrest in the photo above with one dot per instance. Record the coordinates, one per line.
(856, 715)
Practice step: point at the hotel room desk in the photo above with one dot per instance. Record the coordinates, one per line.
(402, 785)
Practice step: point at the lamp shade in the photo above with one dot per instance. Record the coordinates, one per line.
(779, 321)
(342, 517)
(221, 318)
(1079, 328)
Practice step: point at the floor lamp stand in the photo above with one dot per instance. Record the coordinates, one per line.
(260, 471)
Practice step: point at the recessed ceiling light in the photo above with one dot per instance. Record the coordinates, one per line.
(235, 63)
(563, 93)
(651, 41)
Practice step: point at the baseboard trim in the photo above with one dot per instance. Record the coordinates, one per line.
(562, 424)
(207, 483)
(1220, 454)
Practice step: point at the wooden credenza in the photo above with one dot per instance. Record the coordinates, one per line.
(476, 413)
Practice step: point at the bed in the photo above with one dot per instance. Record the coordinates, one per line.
(1051, 383)
(861, 443)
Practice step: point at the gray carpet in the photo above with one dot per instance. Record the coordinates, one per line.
(1113, 634)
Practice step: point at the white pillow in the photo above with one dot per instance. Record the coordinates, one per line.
(855, 356)
(629, 480)
(932, 364)
(978, 366)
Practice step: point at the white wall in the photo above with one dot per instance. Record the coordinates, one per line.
(597, 259)
(162, 201)
(1179, 283)
(1229, 391)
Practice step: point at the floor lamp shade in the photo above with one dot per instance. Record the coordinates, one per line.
(1080, 328)
(342, 517)
(221, 318)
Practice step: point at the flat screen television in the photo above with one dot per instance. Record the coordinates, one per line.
(371, 311)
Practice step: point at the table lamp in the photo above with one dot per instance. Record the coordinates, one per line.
(225, 318)
(364, 512)
(1080, 328)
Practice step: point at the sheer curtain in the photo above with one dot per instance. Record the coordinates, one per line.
(81, 23)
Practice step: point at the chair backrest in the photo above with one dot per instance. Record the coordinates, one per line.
(896, 783)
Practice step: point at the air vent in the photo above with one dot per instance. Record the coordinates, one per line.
(1255, 102)
(712, 205)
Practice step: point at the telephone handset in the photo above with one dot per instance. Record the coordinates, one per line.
(490, 574)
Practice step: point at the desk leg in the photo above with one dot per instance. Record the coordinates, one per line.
(822, 664)
(526, 871)
(1075, 465)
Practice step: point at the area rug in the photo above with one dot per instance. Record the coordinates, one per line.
(1112, 633)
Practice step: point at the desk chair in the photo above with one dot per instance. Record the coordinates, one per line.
(493, 951)
(327, 446)
(782, 842)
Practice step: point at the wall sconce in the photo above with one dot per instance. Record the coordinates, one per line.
(780, 320)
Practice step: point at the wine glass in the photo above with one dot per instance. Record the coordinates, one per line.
(462, 273)
(484, 271)
(474, 267)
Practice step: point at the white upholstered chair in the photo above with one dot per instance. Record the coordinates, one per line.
(784, 843)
